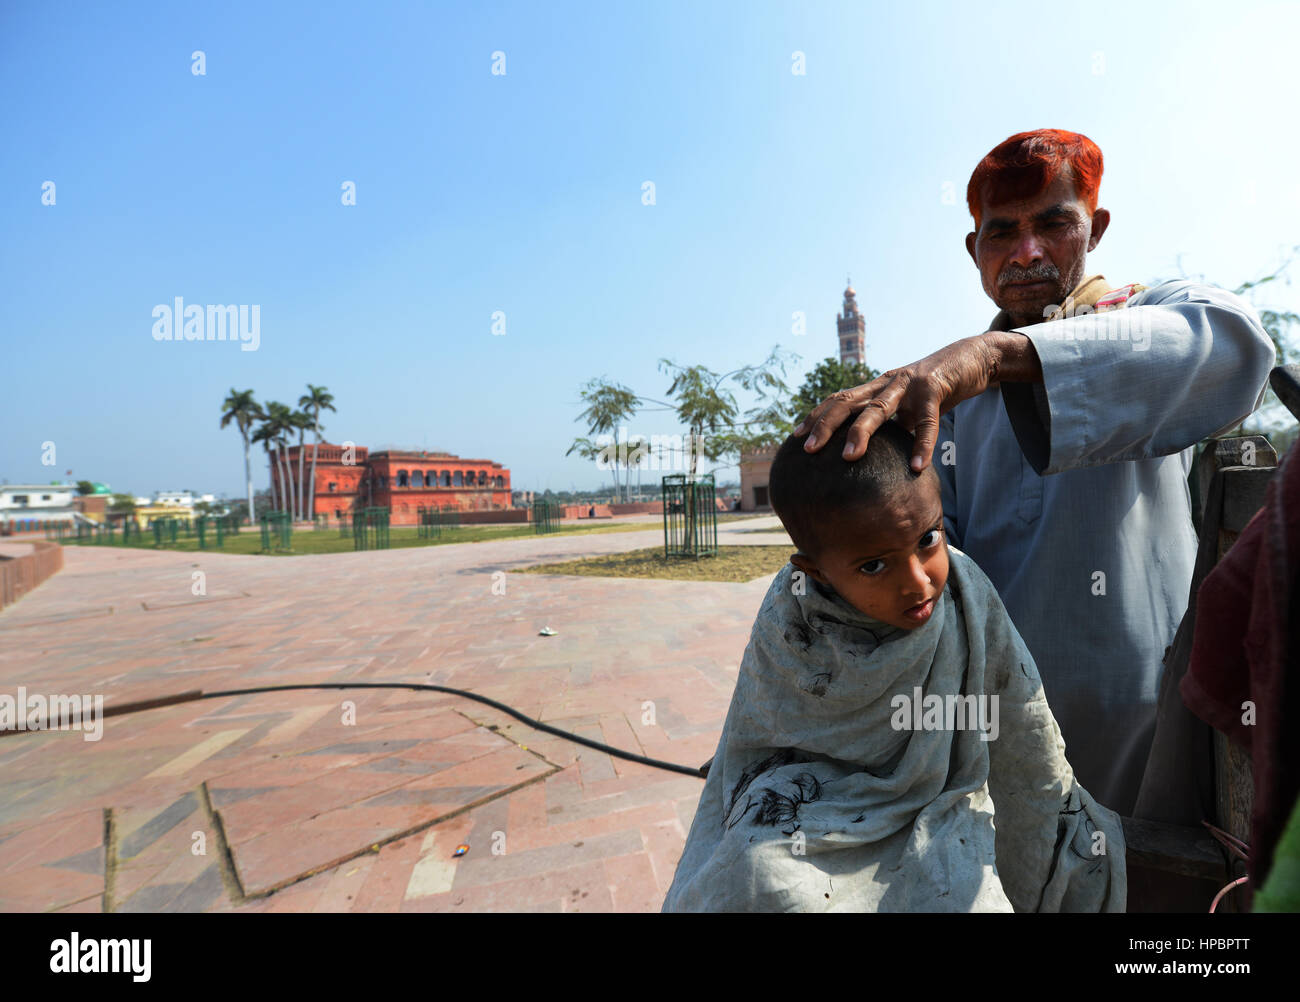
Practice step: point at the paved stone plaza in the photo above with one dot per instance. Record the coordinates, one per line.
(324, 813)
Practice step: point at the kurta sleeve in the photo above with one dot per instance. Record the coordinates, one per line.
(1182, 362)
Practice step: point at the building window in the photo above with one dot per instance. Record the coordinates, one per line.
(446, 478)
(401, 478)
(333, 486)
(21, 499)
(460, 479)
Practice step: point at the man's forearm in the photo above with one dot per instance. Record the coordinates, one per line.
(1012, 358)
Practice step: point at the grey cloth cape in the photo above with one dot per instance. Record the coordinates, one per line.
(825, 796)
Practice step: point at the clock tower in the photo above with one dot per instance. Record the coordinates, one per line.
(852, 329)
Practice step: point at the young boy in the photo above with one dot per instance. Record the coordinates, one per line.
(888, 746)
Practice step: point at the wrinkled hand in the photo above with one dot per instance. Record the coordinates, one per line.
(919, 393)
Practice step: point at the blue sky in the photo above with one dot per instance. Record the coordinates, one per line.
(522, 193)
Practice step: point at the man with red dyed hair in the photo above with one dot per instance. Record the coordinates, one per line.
(1065, 435)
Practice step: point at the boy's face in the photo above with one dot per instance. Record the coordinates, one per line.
(889, 562)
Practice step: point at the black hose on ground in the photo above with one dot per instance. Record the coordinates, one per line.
(187, 697)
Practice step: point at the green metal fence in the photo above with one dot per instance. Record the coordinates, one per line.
(370, 529)
(690, 516)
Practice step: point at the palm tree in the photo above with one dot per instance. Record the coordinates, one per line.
(316, 399)
(241, 408)
(266, 435)
(279, 423)
(300, 421)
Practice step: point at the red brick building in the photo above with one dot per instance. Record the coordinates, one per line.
(402, 482)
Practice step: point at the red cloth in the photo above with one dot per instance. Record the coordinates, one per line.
(1247, 647)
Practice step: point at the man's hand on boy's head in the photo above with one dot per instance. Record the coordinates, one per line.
(921, 393)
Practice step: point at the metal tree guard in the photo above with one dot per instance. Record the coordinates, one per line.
(430, 522)
(204, 525)
(277, 531)
(370, 529)
(690, 516)
(546, 516)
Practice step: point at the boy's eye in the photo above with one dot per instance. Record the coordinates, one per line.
(872, 567)
(930, 539)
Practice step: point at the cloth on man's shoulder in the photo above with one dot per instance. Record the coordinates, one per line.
(824, 795)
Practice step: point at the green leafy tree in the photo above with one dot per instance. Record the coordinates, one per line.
(707, 407)
(608, 406)
(830, 376)
(1272, 419)
(705, 404)
(85, 487)
(123, 504)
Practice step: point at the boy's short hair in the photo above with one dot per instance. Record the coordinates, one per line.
(807, 488)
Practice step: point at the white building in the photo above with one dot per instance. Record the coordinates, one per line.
(45, 502)
(181, 499)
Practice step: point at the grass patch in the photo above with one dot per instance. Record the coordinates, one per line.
(306, 541)
(733, 563)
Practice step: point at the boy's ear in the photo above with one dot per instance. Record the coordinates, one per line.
(808, 567)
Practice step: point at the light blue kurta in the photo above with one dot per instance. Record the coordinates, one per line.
(1072, 497)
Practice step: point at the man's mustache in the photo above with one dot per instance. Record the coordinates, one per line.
(1037, 273)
